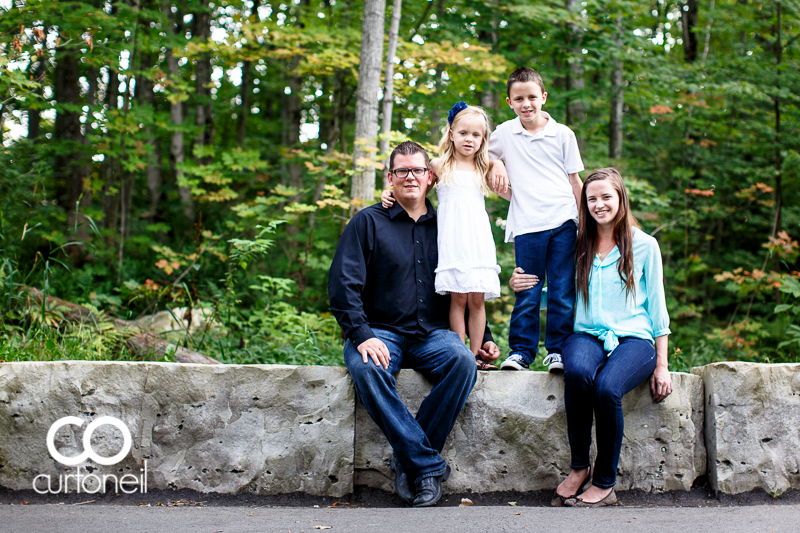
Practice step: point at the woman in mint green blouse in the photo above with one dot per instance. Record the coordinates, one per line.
(620, 338)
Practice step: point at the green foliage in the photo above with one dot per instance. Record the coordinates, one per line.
(710, 156)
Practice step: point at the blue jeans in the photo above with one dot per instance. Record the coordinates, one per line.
(595, 382)
(441, 357)
(550, 255)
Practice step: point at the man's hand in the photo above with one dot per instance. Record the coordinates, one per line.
(520, 281)
(377, 350)
(490, 352)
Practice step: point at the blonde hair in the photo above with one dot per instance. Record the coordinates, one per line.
(447, 149)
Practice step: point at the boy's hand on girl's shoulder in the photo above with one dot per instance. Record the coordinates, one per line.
(387, 198)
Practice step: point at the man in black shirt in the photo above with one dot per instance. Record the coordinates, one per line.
(381, 287)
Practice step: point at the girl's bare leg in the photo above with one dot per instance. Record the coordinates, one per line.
(458, 305)
(477, 320)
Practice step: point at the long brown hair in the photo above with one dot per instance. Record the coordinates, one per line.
(586, 245)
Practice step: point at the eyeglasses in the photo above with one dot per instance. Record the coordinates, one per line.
(402, 173)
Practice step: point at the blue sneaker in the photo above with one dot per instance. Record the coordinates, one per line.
(515, 361)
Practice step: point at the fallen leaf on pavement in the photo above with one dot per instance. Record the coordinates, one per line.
(466, 502)
(512, 504)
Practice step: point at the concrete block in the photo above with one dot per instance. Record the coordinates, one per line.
(266, 429)
(751, 429)
(512, 435)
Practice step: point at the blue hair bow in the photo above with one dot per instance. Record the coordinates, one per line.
(455, 110)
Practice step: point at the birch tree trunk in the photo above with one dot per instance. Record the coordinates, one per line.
(369, 79)
(615, 116)
(388, 92)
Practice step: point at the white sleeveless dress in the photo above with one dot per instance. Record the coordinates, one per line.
(467, 255)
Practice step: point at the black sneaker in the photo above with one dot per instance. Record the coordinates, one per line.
(514, 361)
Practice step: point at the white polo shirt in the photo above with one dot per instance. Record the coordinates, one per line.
(538, 169)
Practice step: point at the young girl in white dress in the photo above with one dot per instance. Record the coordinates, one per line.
(467, 268)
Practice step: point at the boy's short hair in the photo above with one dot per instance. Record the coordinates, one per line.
(522, 75)
(408, 148)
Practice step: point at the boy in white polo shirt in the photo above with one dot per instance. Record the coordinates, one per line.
(543, 162)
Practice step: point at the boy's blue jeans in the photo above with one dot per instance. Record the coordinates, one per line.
(442, 358)
(595, 383)
(550, 255)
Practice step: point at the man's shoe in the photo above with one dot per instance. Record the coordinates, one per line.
(402, 486)
(514, 361)
(554, 363)
(429, 489)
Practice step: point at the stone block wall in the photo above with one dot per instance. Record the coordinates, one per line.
(752, 426)
(512, 435)
(266, 429)
(273, 429)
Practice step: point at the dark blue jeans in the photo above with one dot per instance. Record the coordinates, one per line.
(441, 357)
(550, 255)
(596, 383)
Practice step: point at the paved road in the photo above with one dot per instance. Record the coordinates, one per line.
(69, 518)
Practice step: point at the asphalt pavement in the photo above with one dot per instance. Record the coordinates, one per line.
(69, 518)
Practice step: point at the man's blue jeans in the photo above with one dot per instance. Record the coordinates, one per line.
(442, 358)
(549, 254)
(594, 382)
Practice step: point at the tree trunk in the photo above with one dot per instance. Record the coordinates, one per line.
(369, 79)
(436, 112)
(689, 23)
(34, 115)
(110, 200)
(244, 109)
(615, 116)
(778, 156)
(576, 113)
(176, 147)
(146, 98)
(293, 119)
(388, 92)
(70, 167)
(203, 116)
(708, 31)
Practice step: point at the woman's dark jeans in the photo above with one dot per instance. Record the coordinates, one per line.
(596, 383)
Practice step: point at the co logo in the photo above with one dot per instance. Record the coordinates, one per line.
(88, 452)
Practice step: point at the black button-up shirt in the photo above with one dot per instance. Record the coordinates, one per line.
(382, 275)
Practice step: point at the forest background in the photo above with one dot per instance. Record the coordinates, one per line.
(165, 154)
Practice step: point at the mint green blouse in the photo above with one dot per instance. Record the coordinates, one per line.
(610, 314)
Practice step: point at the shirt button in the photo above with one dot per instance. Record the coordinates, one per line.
(419, 261)
(420, 300)
(419, 280)
(417, 242)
